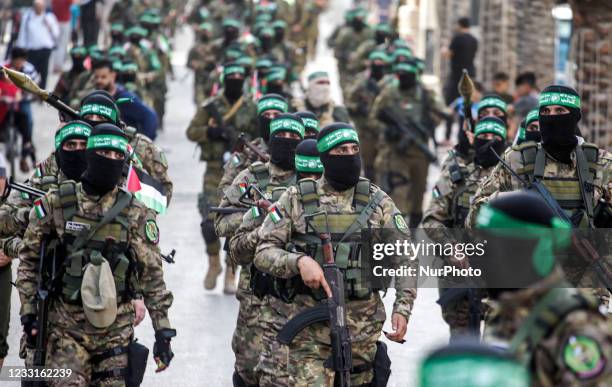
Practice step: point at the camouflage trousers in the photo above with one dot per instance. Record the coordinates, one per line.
(212, 178)
(247, 338)
(457, 315)
(302, 362)
(72, 341)
(404, 178)
(5, 307)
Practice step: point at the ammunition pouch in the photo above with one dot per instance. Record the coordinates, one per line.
(602, 217)
(137, 363)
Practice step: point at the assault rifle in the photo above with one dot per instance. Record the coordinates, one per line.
(13, 185)
(453, 295)
(332, 310)
(229, 132)
(582, 245)
(242, 142)
(408, 136)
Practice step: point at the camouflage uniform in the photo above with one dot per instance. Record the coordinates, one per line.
(345, 44)
(360, 98)
(448, 208)
(243, 119)
(411, 165)
(72, 339)
(303, 360)
(563, 183)
(202, 61)
(239, 161)
(247, 338)
(575, 347)
(326, 114)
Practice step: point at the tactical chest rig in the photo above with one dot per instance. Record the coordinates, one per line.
(88, 239)
(574, 194)
(460, 205)
(262, 180)
(345, 232)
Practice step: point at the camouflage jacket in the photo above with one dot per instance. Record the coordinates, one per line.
(576, 351)
(361, 95)
(501, 180)
(153, 160)
(201, 60)
(239, 161)
(226, 225)
(244, 119)
(286, 218)
(47, 218)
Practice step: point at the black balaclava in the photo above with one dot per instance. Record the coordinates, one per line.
(71, 163)
(377, 71)
(279, 34)
(232, 88)
(380, 37)
(307, 151)
(407, 79)
(275, 87)
(269, 102)
(311, 123)
(358, 24)
(78, 63)
(533, 136)
(229, 35)
(559, 131)
(484, 155)
(103, 174)
(341, 171)
(282, 150)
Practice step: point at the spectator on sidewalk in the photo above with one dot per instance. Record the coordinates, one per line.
(527, 94)
(461, 52)
(501, 87)
(61, 10)
(89, 22)
(38, 33)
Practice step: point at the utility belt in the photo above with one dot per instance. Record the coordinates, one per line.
(132, 374)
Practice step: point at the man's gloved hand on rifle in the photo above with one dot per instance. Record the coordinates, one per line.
(30, 328)
(162, 353)
(216, 133)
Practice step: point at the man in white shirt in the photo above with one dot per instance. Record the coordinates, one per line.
(38, 34)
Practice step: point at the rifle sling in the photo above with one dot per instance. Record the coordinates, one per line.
(362, 220)
(230, 113)
(293, 327)
(586, 181)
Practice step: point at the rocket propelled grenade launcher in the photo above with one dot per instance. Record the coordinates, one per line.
(466, 89)
(24, 82)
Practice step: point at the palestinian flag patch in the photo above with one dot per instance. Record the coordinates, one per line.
(275, 214)
(255, 212)
(39, 208)
(242, 187)
(236, 159)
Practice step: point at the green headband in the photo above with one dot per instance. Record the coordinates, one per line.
(490, 127)
(74, 129)
(318, 74)
(205, 26)
(493, 102)
(107, 141)
(136, 30)
(117, 27)
(337, 137)
(287, 125)
(276, 75)
(403, 51)
(381, 55)
(233, 69)
(131, 67)
(311, 123)
(532, 116)
(563, 99)
(308, 164)
(245, 61)
(279, 24)
(410, 68)
(520, 134)
(271, 104)
(383, 27)
(78, 51)
(555, 237)
(231, 23)
(101, 110)
(463, 371)
(263, 63)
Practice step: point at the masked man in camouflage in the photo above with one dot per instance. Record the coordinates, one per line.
(214, 128)
(292, 221)
(98, 226)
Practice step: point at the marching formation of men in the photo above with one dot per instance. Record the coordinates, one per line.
(297, 187)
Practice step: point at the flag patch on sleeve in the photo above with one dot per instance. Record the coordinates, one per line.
(242, 187)
(255, 212)
(39, 208)
(275, 214)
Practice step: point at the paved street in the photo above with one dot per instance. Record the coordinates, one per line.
(205, 320)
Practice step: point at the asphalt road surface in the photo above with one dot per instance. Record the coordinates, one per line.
(205, 320)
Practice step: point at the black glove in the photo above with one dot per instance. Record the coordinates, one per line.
(29, 322)
(162, 353)
(216, 133)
